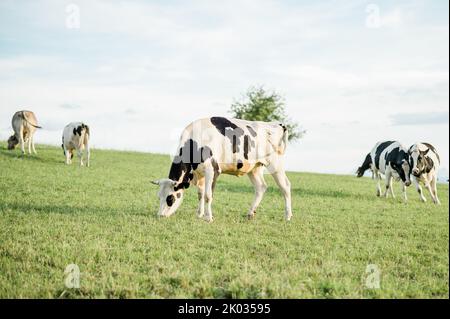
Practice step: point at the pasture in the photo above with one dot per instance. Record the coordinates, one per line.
(103, 219)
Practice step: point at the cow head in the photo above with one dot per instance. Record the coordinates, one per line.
(420, 163)
(12, 142)
(170, 196)
(403, 168)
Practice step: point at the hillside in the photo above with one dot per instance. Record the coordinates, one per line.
(103, 219)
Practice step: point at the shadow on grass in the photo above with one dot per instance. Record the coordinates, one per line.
(338, 194)
(27, 157)
(72, 210)
(329, 193)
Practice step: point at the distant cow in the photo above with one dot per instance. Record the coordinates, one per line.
(24, 124)
(76, 138)
(425, 163)
(212, 146)
(392, 160)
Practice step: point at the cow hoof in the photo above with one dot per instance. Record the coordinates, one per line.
(209, 219)
(250, 216)
(288, 218)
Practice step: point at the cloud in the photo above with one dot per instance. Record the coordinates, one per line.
(429, 118)
(69, 106)
(131, 111)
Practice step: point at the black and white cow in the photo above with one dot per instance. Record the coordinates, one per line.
(392, 160)
(76, 138)
(425, 162)
(212, 146)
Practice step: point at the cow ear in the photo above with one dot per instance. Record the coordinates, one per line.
(426, 152)
(155, 182)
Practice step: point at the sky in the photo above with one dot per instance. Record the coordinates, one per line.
(352, 72)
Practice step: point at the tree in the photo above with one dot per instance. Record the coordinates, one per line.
(257, 104)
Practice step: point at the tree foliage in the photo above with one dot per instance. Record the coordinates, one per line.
(257, 104)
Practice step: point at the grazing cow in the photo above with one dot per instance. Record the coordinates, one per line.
(76, 137)
(391, 159)
(212, 146)
(425, 163)
(24, 124)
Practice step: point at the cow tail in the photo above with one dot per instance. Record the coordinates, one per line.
(23, 116)
(365, 166)
(86, 139)
(284, 140)
(86, 135)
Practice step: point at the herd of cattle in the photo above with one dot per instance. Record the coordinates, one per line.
(213, 146)
(75, 136)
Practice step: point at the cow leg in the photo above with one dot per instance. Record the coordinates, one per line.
(21, 141)
(257, 178)
(405, 195)
(28, 142)
(430, 190)
(419, 189)
(378, 178)
(209, 180)
(88, 155)
(391, 188)
(32, 145)
(68, 156)
(388, 183)
(428, 186)
(201, 197)
(80, 156)
(285, 187)
(434, 189)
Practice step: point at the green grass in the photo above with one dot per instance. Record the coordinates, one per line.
(104, 220)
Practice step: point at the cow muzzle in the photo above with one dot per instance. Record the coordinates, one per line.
(408, 183)
(416, 172)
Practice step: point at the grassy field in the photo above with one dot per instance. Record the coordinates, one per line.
(103, 219)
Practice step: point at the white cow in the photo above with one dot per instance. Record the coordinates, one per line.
(76, 137)
(425, 165)
(212, 146)
(24, 124)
